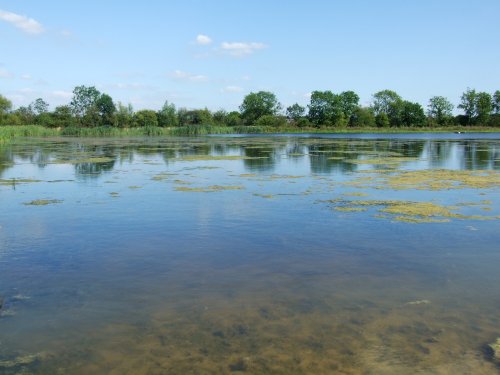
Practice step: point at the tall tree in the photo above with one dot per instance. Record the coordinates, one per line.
(5, 105)
(84, 98)
(39, 106)
(484, 107)
(349, 102)
(412, 114)
(468, 105)
(258, 104)
(390, 103)
(167, 115)
(496, 102)
(325, 108)
(106, 109)
(440, 110)
(295, 112)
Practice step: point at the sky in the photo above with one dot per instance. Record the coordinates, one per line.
(202, 53)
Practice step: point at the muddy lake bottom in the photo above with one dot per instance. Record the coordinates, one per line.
(250, 255)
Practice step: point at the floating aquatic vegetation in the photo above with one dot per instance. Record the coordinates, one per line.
(495, 347)
(114, 194)
(208, 189)
(355, 194)
(408, 211)
(383, 160)
(42, 202)
(15, 181)
(247, 175)
(23, 360)
(94, 160)
(218, 157)
(135, 187)
(267, 196)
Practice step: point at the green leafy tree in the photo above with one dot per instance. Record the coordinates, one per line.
(39, 106)
(349, 102)
(271, 121)
(145, 117)
(106, 109)
(25, 115)
(63, 116)
(440, 110)
(84, 100)
(295, 112)
(412, 114)
(324, 108)
(484, 107)
(468, 105)
(125, 115)
(496, 102)
(233, 118)
(362, 117)
(390, 103)
(5, 107)
(258, 104)
(167, 115)
(382, 120)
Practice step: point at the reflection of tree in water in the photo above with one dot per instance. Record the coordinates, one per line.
(6, 158)
(439, 153)
(328, 158)
(479, 155)
(263, 158)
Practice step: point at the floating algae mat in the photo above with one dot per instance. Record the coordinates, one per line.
(299, 261)
(408, 211)
(42, 202)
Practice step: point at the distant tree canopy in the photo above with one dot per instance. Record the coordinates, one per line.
(89, 107)
(256, 105)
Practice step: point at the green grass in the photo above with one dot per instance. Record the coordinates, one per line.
(12, 131)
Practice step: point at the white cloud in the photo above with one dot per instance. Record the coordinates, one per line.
(240, 49)
(203, 40)
(232, 89)
(185, 76)
(62, 94)
(26, 77)
(27, 25)
(246, 78)
(4, 73)
(129, 86)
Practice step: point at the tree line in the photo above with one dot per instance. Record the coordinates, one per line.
(90, 108)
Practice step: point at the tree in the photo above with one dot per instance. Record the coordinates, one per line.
(39, 106)
(324, 108)
(167, 115)
(412, 114)
(106, 109)
(124, 115)
(5, 105)
(145, 117)
(390, 103)
(233, 118)
(259, 104)
(484, 107)
(382, 120)
(295, 112)
(440, 110)
(362, 117)
(496, 102)
(349, 101)
(468, 105)
(84, 98)
(25, 115)
(62, 116)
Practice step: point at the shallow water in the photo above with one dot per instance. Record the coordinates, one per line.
(225, 255)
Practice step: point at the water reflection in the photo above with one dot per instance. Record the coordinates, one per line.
(325, 156)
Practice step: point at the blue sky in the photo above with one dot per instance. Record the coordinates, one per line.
(212, 53)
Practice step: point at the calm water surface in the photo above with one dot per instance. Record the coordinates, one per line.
(240, 255)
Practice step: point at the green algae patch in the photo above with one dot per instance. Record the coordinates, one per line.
(92, 160)
(407, 211)
(114, 194)
(495, 347)
(15, 181)
(350, 209)
(267, 196)
(355, 194)
(382, 160)
(218, 157)
(208, 189)
(442, 179)
(42, 202)
(133, 187)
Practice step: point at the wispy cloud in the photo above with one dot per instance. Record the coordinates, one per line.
(61, 94)
(27, 25)
(203, 40)
(232, 89)
(240, 49)
(4, 73)
(185, 76)
(129, 86)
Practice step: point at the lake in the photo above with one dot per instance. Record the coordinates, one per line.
(303, 254)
